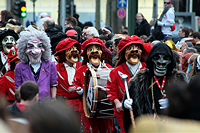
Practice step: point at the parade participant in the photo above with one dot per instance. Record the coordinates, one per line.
(132, 55)
(8, 39)
(35, 53)
(7, 82)
(94, 54)
(148, 88)
(67, 51)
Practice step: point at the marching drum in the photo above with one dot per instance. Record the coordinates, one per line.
(95, 102)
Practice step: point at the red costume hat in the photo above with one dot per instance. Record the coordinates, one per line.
(90, 42)
(12, 55)
(146, 47)
(66, 44)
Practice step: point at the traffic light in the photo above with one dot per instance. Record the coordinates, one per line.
(68, 10)
(23, 9)
(20, 8)
(17, 10)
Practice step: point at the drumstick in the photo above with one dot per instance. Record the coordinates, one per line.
(124, 78)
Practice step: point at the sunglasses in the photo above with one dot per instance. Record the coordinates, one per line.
(166, 2)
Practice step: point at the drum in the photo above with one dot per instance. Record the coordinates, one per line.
(95, 101)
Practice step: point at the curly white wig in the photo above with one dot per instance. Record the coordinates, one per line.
(22, 42)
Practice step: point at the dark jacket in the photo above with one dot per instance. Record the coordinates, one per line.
(56, 35)
(142, 29)
(14, 110)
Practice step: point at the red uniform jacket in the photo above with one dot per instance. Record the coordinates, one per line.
(79, 79)
(7, 86)
(115, 86)
(63, 86)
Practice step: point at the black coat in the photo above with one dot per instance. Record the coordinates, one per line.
(142, 29)
(56, 35)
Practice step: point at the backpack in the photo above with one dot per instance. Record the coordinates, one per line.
(157, 33)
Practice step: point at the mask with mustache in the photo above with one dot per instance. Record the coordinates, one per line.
(133, 53)
(8, 42)
(72, 54)
(94, 53)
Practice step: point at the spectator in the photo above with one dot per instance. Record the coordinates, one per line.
(166, 20)
(183, 34)
(54, 32)
(5, 16)
(43, 16)
(142, 26)
(88, 23)
(144, 38)
(28, 96)
(190, 32)
(109, 45)
(77, 18)
(91, 33)
(196, 37)
(70, 22)
(49, 117)
(72, 34)
(108, 32)
(115, 50)
(104, 38)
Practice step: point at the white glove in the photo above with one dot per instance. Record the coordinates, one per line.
(80, 91)
(163, 103)
(160, 23)
(128, 103)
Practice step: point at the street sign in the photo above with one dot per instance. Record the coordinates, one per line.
(121, 13)
(121, 3)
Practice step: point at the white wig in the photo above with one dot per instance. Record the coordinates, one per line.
(22, 42)
(93, 30)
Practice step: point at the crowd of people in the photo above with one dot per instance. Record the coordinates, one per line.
(52, 81)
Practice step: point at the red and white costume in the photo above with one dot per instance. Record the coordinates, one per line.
(72, 98)
(7, 85)
(132, 50)
(116, 87)
(91, 47)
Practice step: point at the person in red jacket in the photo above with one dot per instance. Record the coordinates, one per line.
(67, 51)
(94, 53)
(132, 56)
(7, 82)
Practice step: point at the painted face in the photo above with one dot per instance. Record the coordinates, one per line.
(94, 53)
(8, 42)
(72, 54)
(133, 53)
(34, 50)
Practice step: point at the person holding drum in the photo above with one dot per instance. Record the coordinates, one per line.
(94, 54)
(132, 56)
(67, 51)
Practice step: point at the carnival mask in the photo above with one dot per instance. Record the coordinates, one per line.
(94, 53)
(34, 50)
(133, 53)
(72, 54)
(8, 42)
(161, 63)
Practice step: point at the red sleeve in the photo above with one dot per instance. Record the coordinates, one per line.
(112, 86)
(78, 78)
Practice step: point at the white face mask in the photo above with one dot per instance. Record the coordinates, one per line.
(8, 42)
(34, 50)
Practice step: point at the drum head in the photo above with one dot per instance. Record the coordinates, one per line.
(89, 93)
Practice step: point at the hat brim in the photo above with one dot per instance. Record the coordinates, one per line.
(69, 46)
(95, 43)
(129, 43)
